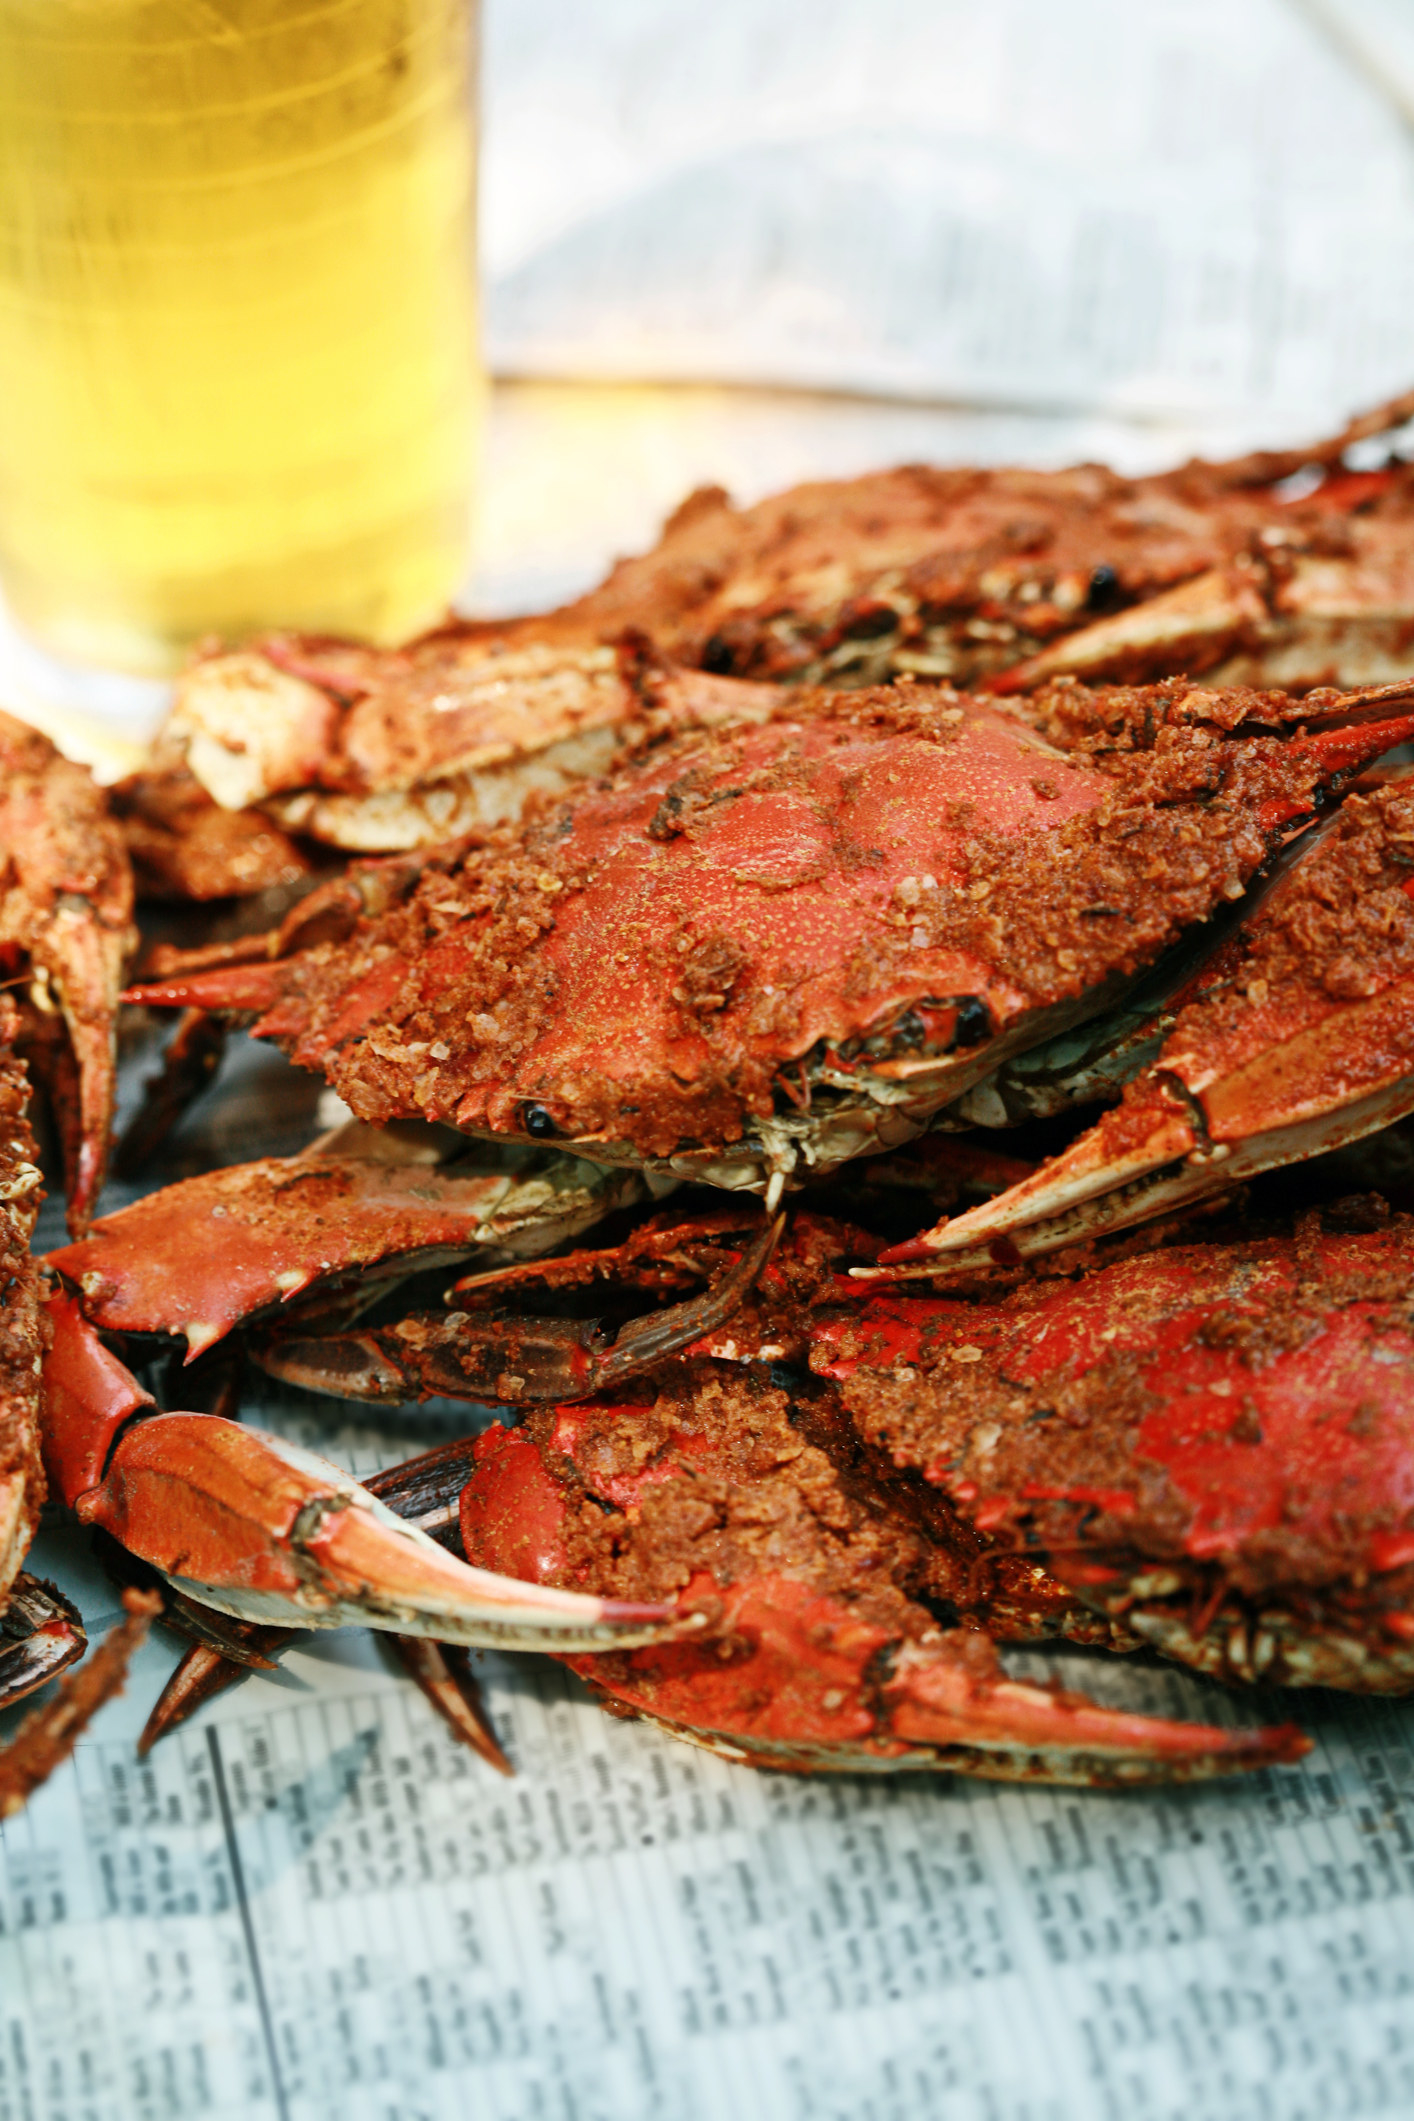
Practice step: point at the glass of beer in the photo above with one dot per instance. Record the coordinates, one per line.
(239, 381)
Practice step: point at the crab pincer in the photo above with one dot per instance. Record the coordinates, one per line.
(265, 1531)
(344, 1221)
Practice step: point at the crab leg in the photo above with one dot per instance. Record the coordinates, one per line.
(424, 1492)
(444, 1673)
(505, 1361)
(1291, 1046)
(194, 1053)
(204, 1673)
(48, 1734)
(201, 1256)
(265, 1531)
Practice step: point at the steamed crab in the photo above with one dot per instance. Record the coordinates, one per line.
(845, 1501)
(765, 949)
(1207, 1449)
(242, 1526)
(1280, 568)
(744, 954)
(1163, 808)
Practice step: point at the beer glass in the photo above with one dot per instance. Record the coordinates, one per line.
(238, 367)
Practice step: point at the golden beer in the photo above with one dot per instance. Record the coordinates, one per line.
(238, 380)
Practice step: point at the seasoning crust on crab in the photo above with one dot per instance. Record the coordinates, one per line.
(1208, 1449)
(1213, 1443)
(66, 900)
(820, 1593)
(793, 940)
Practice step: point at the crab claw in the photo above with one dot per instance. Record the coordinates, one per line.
(801, 1700)
(959, 1697)
(40, 1634)
(424, 1492)
(1291, 1044)
(267, 1532)
(258, 1528)
(200, 1256)
(798, 1690)
(506, 1362)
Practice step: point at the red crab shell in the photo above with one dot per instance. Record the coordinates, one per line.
(837, 920)
(66, 897)
(1207, 1427)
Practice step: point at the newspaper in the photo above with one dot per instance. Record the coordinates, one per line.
(1186, 207)
(310, 1901)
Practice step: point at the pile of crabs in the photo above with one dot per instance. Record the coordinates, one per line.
(878, 1039)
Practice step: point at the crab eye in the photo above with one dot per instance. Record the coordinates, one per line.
(974, 1021)
(537, 1122)
(718, 658)
(1104, 589)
